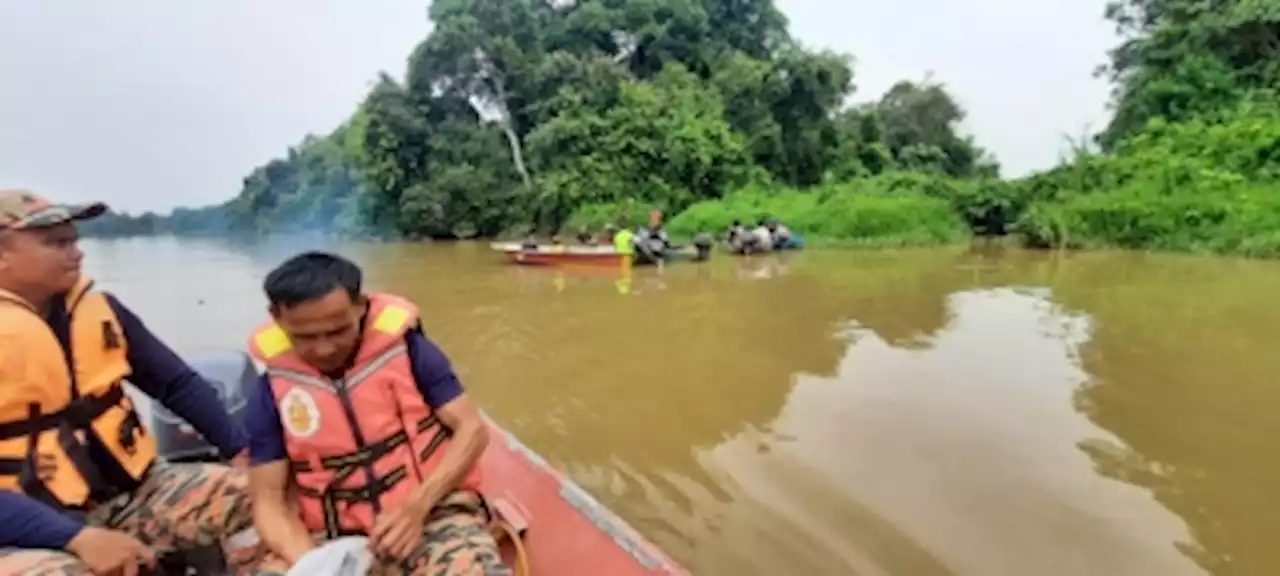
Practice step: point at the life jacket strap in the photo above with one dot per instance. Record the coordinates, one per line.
(79, 414)
(364, 456)
(344, 465)
(366, 494)
(71, 423)
(442, 433)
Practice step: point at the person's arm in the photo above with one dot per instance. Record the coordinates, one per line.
(29, 523)
(162, 375)
(443, 392)
(276, 520)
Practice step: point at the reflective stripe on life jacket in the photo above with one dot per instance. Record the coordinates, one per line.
(54, 394)
(354, 442)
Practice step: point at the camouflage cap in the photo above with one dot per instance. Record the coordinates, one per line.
(20, 209)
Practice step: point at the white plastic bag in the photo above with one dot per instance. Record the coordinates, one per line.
(348, 556)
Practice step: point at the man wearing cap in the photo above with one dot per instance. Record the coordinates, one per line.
(81, 491)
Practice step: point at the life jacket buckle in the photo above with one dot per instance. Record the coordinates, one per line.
(80, 412)
(130, 430)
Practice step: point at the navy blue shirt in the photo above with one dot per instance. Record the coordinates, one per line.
(431, 369)
(159, 373)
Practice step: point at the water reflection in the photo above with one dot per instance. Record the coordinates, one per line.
(763, 266)
(1185, 376)
(958, 457)
(617, 389)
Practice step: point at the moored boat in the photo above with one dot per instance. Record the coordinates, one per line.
(795, 242)
(560, 255)
(551, 255)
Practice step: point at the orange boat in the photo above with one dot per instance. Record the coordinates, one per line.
(553, 526)
(549, 255)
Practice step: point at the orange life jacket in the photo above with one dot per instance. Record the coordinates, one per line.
(363, 443)
(54, 394)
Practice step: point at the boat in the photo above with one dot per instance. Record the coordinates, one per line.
(553, 526)
(544, 522)
(795, 242)
(561, 255)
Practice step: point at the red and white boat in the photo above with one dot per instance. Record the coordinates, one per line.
(560, 255)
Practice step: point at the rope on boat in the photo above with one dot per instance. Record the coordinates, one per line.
(502, 527)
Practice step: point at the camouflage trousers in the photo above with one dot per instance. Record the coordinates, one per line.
(178, 507)
(455, 542)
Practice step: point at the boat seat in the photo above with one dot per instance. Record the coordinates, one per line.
(509, 524)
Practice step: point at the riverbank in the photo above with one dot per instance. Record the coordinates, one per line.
(892, 211)
(1240, 218)
(1207, 185)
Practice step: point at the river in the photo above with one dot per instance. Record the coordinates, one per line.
(915, 412)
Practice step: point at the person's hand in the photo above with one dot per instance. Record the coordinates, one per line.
(397, 531)
(111, 552)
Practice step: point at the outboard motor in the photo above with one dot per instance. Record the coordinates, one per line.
(231, 374)
(703, 243)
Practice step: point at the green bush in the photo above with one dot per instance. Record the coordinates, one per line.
(1242, 219)
(594, 217)
(1208, 184)
(863, 212)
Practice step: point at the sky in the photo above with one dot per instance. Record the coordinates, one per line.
(152, 104)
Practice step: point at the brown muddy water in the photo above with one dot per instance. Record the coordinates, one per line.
(919, 412)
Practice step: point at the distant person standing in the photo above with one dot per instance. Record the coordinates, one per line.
(652, 240)
(624, 242)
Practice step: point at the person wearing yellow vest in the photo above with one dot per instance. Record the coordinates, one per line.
(81, 491)
(624, 241)
(359, 427)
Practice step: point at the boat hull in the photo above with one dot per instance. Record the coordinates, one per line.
(602, 257)
(795, 243)
(594, 256)
(539, 258)
(568, 532)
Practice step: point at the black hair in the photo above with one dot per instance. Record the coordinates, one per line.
(309, 276)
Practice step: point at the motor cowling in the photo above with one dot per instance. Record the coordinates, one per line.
(232, 375)
(703, 243)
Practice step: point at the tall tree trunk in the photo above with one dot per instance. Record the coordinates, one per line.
(513, 140)
(517, 151)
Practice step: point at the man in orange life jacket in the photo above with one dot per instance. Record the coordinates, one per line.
(80, 489)
(363, 416)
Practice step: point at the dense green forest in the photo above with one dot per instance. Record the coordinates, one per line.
(519, 115)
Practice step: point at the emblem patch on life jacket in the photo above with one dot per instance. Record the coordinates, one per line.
(299, 413)
(110, 340)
